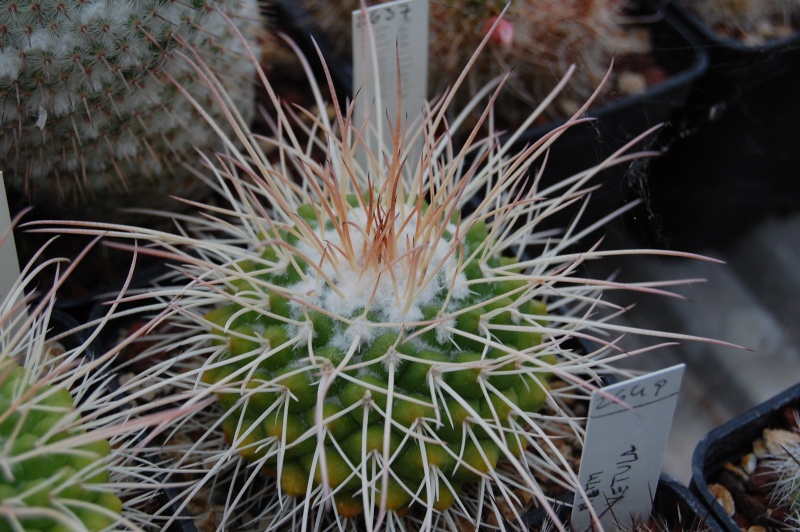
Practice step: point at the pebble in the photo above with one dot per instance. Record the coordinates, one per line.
(748, 463)
(760, 448)
(778, 440)
(723, 497)
(630, 83)
(746, 489)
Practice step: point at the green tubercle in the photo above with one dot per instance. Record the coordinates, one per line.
(46, 481)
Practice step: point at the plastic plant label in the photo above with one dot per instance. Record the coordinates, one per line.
(9, 264)
(626, 434)
(394, 41)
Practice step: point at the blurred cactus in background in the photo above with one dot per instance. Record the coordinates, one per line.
(89, 107)
(536, 40)
(751, 21)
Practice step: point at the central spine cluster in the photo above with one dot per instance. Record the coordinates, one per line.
(336, 393)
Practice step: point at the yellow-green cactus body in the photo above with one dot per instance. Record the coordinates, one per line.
(46, 482)
(433, 388)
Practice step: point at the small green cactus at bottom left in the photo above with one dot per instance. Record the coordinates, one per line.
(51, 479)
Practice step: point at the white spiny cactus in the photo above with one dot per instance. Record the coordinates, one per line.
(89, 112)
(782, 465)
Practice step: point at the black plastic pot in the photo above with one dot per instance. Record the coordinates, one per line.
(677, 504)
(730, 442)
(98, 302)
(673, 502)
(732, 54)
(64, 323)
(735, 156)
(64, 328)
(677, 51)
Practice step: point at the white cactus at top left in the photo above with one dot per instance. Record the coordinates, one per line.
(89, 104)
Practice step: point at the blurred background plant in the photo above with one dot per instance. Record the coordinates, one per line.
(751, 21)
(96, 115)
(91, 119)
(537, 41)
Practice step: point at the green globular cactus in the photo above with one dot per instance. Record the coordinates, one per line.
(46, 482)
(72, 457)
(55, 474)
(90, 105)
(431, 380)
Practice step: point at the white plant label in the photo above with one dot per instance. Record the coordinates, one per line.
(397, 31)
(9, 264)
(626, 434)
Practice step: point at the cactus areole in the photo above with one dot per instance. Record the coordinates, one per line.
(370, 330)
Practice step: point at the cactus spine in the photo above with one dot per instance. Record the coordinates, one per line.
(87, 108)
(780, 465)
(413, 359)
